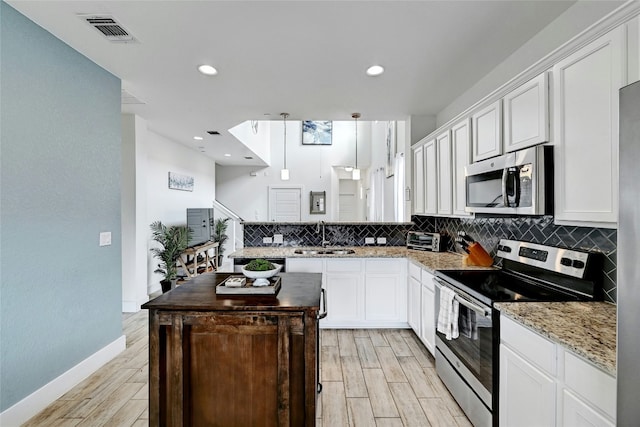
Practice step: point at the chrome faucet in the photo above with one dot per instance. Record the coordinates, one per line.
(325, 242)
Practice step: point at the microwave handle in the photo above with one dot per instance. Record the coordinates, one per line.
(505, 197)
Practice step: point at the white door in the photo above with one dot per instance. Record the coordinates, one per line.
(347, 208)
(284, 204)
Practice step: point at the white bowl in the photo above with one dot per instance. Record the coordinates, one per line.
(262, 274)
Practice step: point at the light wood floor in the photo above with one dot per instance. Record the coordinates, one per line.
(369, 378)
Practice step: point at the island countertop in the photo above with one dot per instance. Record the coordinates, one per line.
(429, 260)
(585, 328)
(299, 291)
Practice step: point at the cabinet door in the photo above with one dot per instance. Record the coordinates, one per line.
(576, 413)
(461, 157)
(487, 132)
(444, 179)
(428, 312)
(414, 304)
(418, 180)
(385, 297)
(431, 178)
(586, 126)
(345, 297)
(304, 265)
(527, 395)
(526, 114)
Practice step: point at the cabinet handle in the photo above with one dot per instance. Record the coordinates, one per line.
(323, 314)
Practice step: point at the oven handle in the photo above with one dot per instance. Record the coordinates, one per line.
(475, 307)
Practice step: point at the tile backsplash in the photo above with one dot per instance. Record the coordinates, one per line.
(486, 230)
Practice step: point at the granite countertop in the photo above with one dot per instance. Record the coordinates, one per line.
(587, 329)
(429, 260)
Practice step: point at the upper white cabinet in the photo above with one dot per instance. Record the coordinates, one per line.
(586, 109)
(444, 170)
(487, 131)
(461, 157)
(431, 178)
(418, 180)
(526, 114)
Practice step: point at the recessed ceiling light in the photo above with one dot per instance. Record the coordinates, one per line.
(197, 138)
(348, 168)
(207, 70)
(227, 155)
(375, 70)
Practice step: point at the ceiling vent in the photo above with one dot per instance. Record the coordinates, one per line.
(213, 132)
(109, 28)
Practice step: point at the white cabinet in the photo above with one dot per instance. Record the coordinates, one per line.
(526, 114)
(461, 157)
(428, 311)
(361, 292)
(431, 178)
(541, 383)
(418, 180)
(414, 304)
(444, 171)
(487, 132)
(586, 86)
(345, 290)
(385, 290)
(527, 394)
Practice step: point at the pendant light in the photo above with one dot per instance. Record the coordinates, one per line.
(284, 173)
(355, 174)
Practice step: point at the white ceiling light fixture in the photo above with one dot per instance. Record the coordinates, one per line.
(375, 70)
(348, 168)
(198, 138)
(355, 173)
(207, 70)
(284, 173)
(227, 155)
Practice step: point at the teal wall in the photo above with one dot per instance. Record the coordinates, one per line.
(60, 124)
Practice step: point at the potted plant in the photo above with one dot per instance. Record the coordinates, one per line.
(174, 240)
(220, 236)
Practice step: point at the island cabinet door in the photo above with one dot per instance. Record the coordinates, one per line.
(237, 369)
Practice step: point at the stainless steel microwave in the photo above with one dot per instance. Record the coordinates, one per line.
(519, 183)
(424, 241)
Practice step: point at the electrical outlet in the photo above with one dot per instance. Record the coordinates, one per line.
(382, 240)
(105, 238)
(369, 240)
(267, 240)
(277, 238)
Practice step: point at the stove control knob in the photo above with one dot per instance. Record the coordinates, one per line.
(565, 261)
(578, 264)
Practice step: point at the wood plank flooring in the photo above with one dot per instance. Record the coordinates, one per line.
(370, 378)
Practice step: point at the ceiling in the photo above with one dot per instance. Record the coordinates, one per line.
(307, 58)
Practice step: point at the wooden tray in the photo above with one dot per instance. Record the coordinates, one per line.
(249, 289)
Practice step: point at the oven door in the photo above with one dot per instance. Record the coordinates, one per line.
(471, 353)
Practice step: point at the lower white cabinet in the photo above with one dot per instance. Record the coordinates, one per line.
(361, 292)
(542, 384)
(428, 312)
(414, 304)
(527, 394)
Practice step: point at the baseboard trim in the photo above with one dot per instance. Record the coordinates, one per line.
(47, 394)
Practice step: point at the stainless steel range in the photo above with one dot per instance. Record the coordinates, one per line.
(468, 364)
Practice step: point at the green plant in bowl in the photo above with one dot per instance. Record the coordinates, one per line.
(260, 269)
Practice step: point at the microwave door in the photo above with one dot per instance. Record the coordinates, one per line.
(486, 190)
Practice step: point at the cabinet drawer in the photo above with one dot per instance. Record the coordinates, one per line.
(383, 266)
(536, 348)
(593, 384)
(414, 271)
(304, 265)
(343, 265)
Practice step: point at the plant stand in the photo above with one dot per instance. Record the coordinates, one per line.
(199, 257)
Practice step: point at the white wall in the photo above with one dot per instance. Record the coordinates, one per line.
(255, 141)
(147, 198)
(311, 166)
(569, 24)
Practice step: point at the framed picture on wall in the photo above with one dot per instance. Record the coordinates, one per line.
(180, 182)
(316, 132)
(391, 149)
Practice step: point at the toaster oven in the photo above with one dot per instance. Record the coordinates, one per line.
(424, 241)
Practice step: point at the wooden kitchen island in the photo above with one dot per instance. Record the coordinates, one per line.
(221, 360)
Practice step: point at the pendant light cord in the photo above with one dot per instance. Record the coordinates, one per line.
(356, 116)
(284, 123)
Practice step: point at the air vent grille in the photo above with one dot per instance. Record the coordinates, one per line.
(110, 28)
(213, 132)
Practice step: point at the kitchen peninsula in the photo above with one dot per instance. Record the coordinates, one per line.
(234, 360)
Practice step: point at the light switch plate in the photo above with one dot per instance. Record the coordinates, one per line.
(382, 240)
(369, 240)
(277, 238)
(105, 238)
(267, 240)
